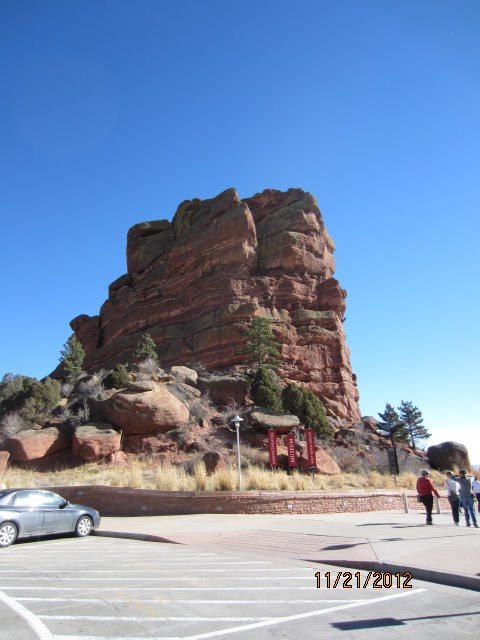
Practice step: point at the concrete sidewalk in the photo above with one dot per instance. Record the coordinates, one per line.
(384, 541)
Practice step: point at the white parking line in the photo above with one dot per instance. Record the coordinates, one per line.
(180, 601)
(287, 588)
(31, 619)
(159, 618)
(251, 627)
(189, 577)
(172, 564)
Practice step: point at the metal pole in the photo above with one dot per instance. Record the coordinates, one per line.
(237, 427)
(405, 502)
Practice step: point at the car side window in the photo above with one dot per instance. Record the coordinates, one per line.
(37, 499)
(26, 499)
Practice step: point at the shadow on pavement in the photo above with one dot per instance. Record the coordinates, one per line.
(392, 622)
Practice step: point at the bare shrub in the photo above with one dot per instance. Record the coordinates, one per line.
(66, 389)
(83, 414)
(230, 411)
(253, 456)
(11, 424)
(348, 460)
(91, 388)
(148, 367)
(64, 413)
(200, 408)
(100, 375)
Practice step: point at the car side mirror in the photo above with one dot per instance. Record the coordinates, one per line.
(64, 504)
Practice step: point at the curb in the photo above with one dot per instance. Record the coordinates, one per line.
(418, 573)
(145, 537)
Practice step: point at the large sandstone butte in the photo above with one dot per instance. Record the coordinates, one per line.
(195, 283)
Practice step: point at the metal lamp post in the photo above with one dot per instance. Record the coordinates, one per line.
(237, 421)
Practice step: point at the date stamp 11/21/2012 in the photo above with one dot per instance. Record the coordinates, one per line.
(374, 579)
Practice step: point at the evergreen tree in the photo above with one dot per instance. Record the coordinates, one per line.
(146, 348)
(309, 409)
(72, 358)
(412, 419)
(262, 349)
(264, 390)
(392, 426)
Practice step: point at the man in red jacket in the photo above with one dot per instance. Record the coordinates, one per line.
(425, 490)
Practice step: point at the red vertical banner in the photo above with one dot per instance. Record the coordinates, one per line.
(310, 439)
(292, 454)
(272, 447)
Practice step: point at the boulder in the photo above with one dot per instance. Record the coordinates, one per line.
(268, 419)
(185, 375)
(448, 455)
(32, 444)
(4, 456)
(325, 463)
(224, 390)
(95, 441)
(213, 462)
(195, 283)
(151, 411)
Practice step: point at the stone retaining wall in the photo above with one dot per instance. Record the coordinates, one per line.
(115, 501)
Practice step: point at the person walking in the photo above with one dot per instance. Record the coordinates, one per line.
(466, 496)
(453, 493)
(476, 491)
(426, 491)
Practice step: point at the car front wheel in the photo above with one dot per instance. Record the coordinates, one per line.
(84, 526)
(8, 533)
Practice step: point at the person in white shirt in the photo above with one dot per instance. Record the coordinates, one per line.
(453, 493)
(476, 491)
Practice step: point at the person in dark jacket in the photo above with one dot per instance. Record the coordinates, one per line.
(426, 491)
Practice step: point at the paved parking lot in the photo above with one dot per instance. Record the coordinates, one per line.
(107, 589)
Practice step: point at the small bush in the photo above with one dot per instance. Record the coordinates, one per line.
(309, 409)
(200, 475)
(117, 378)
(146, 349)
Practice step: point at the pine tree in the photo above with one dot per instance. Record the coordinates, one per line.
(304, 404)
(412, 419)
(264, 390)
(72, 358)
(392, 426)
(262, 348)
(146, 348)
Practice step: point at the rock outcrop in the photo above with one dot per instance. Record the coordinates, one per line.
(195, 283)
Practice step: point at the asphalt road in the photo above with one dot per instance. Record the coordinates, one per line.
(107, 589)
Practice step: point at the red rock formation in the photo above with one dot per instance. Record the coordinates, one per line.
(195, 283)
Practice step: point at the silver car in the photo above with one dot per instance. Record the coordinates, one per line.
(33, 512)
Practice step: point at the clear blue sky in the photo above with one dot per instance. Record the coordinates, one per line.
(113, 112)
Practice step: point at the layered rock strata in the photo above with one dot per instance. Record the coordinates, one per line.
(195, 283)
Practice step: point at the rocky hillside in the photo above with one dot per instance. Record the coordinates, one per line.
(195, 283)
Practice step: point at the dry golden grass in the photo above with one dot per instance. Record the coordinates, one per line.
(150, 474)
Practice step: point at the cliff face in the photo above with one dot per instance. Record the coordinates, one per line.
(195, 283)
